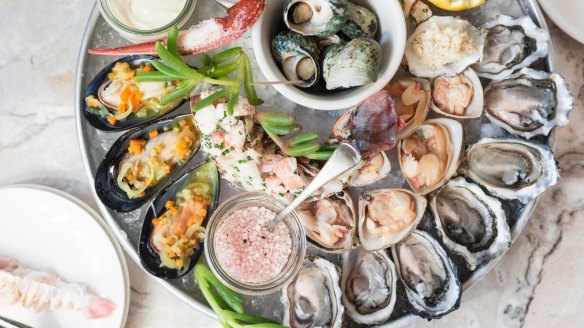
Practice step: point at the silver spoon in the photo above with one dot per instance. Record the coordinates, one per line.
(343, 159)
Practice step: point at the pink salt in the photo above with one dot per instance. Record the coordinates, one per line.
(249, 252)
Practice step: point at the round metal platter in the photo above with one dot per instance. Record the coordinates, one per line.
(127, 226)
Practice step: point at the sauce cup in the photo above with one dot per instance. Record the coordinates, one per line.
(295, 259)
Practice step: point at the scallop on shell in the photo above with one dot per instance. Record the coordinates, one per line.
(369, 284)
(443, 46)
(511, 44)
(428, 275)
(386, 216)
(313, 298)
(511, 168)
(430, 155)
(470, 223)
(529, 103)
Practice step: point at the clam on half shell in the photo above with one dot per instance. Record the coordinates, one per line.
(529, 103)
(470, 223)
(412, 101)
(459, 96)
(428, 275)
(511, 44)
(511, 168)
(313, 298)
(386, 216)
(430, 155)
(369, 283)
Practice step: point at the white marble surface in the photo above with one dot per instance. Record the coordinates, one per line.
(540, 283)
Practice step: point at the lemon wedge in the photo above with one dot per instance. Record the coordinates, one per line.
(457, 5)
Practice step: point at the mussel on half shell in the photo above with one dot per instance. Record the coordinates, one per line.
(511, 44)
(386, 216)
(428, 275)
(316, 17)
(189, 194)
(369, 284)
(143, 160)
(511, 168)
(330, 222)
(113, 101)
(529, 103)
(313, 297)
(430, 155)
(298, 57)
(470, 223)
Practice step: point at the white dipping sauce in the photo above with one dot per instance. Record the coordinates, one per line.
(146, 14)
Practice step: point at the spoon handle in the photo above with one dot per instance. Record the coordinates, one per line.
(343, 159)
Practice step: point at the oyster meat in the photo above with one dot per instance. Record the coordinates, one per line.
(529, 103)
(430, 155)
(369, 284)
(511, 168)
(443, 46)
(316, 17)
(470, 223)
(386, 216)
(330, 222)
(511, 44)
(313, 298)
(459, 96)
(429, 277)
(351, 64)
(298, 56)
(412, 100)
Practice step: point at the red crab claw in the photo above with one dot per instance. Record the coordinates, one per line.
(371, 126)
(207, 35)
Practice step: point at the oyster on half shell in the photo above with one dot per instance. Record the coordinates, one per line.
(470, 223)
(331, 222)
(511, 44)
(386, 216)
(313, 298)
(429, 277)
(369, 284)
(529, 103)
(511, 168)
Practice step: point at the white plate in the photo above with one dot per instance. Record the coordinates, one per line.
(567, 14)
(49, 230)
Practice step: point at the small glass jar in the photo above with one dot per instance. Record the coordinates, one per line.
(138, 35)
(297, 235)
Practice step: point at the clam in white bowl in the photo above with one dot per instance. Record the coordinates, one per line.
(391, 35)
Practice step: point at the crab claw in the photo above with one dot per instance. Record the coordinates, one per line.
(207, 35)
(371, 126)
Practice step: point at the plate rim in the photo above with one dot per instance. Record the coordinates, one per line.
(100, 222)
(556, 17)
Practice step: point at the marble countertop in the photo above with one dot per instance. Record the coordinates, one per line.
(539, 283)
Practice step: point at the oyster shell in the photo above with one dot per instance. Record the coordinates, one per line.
(430, 155)
(443, 46)
(313, 298)
(361, 23)
(298, 56)
(369, 284)
(331, 222)
(429, 277)
(412, 100)
(386, 216)
(351, 64)
(511, 44)
(470, 223)
(529, 103)
(511, 168)
(459, 96)
(316, 17)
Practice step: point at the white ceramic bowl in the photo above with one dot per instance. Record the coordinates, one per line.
(391, 36)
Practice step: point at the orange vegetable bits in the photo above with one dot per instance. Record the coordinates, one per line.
(136, 146)
(153, 134)
(112, 120)
(169, 204)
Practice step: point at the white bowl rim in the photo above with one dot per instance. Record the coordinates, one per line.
(331, 101)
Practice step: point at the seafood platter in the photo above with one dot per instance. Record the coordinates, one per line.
(193, 148)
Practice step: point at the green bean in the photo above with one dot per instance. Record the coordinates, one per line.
(177, 64)
(232, 101)
(320, 155)
(153, 77)
(248, 80)
(181, 91)
(166, 70)
(224, 69)
(226, 54)
(209, 100)
(171, 41)
(234, 300)
(303, 138)
(282, 129)
(207, 61)
(301, 150)
(274, 118)
(329, 146)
